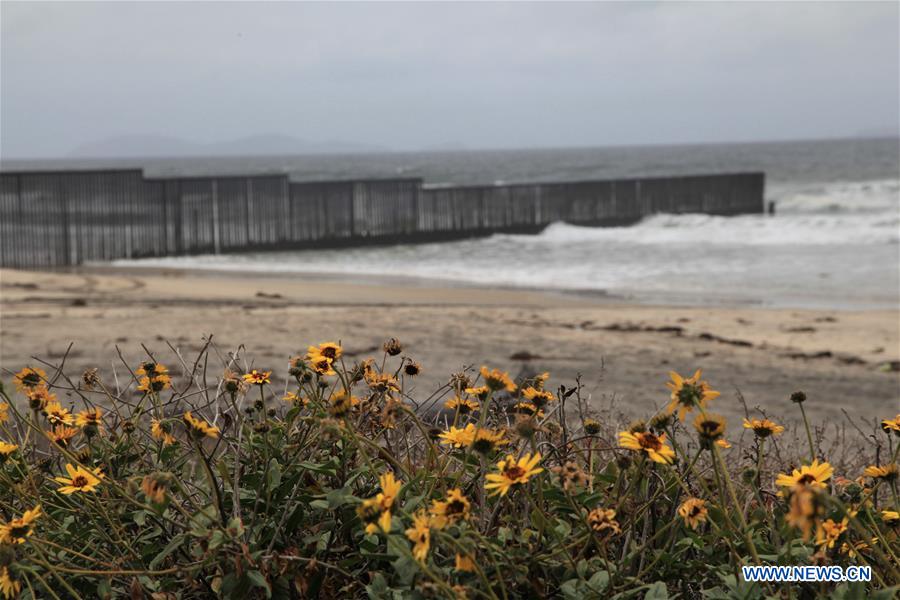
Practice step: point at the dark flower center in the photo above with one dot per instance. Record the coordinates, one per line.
(79, 481)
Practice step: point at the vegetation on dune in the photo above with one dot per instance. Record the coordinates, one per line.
(335, 481)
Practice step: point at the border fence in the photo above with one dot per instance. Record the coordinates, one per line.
(61, 218)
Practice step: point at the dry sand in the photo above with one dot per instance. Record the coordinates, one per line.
(841, 359)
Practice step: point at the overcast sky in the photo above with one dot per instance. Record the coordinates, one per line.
(407, 76)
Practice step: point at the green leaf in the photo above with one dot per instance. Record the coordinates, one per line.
(656, 591)
(258, 580)
(273, 477)
(169, 549)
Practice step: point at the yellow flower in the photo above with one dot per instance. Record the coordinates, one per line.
(6, 450)
(538, 397)
(485, 441)
(255, 377)
(154, 489)
(512, 472)
(91, 420)
(295, 399)
(198, 427)
(694, 512)
(480, 392)
(603, 521)
(330, 350)
(654, 446)
(29, 378)
(890, 517)
(420, 535)
(449, 511)
(892, 424)
(829, 532)
(710, 427)
(852, 549)
(496, 380)
(723, 443)
(4, 412)
(814, 475)
(9, 587)
(887, 472)
(805, 508)
(161, 431)
(382, 382)
(688, 393)
(591, 426)
(456, 437)
(375, 512)
(463, 405)
(62, 435)
(39, 397)
(17, 530)
(763, 428)
(464, 562)
(151, 369)
(155, 383)
(342, 403)
(79, 480)
(57, 415)
(527, 408)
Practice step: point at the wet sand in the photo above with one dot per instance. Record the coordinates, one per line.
(841, 359)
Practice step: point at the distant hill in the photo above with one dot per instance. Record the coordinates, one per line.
(153, 146)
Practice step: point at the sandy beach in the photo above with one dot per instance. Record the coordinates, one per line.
(841, 359)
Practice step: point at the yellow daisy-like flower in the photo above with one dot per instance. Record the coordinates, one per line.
(887, 472)
(710, 427)
(892, 424)
(829, 532)
(9, 587)
(805, 508)
(382, 382)
(652, 445)
(39, 397)
(341, 403)
(330, 350)
(198, 427)
(454, 508)
(527, 408)
(694, 512)
(456, 437)
(485, 441)
(603, 521)
(688, 393)
(154, 489)
(29, 378)
(17, 530)
(6, 450)
(151, 369)
(375, 512)
(481, 392)
(463, 405)
(890, 517)
(464, 563)
(814, 475)
(723, 443)
(496, 380)
(91, 420)
(155, 383)
(62, 435)
(255, 377)
(295, 399)
(57, 415)
(420, 535)
(591, 426)
(512, 472)
(538, 397)
(4, 412)
(79, 480)
(161, 431)
(763, 428)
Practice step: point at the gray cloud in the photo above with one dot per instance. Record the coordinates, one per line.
(409, 75)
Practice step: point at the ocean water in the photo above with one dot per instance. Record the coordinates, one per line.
(833, 242)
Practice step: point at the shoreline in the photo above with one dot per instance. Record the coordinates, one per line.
(623, 350)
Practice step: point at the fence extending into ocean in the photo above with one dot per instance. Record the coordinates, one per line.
(61, 218)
